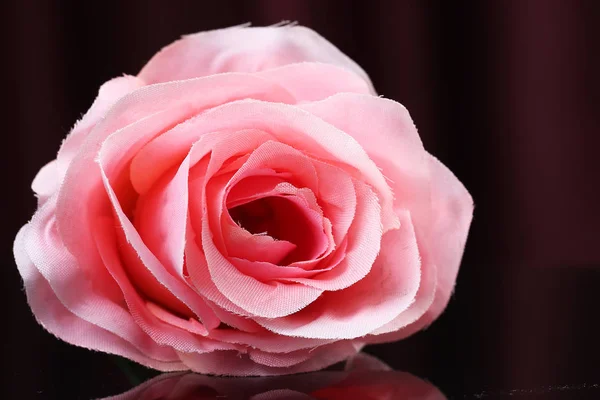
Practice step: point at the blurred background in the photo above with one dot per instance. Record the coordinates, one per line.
(505, 93)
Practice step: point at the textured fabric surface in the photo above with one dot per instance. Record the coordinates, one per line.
(246, 205)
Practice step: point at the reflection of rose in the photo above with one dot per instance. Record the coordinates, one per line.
(364, 378)
(267, 221)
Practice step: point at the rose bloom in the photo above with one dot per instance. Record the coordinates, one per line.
(245, 205)
(364, 377)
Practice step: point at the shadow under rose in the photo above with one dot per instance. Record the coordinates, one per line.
(363, 377)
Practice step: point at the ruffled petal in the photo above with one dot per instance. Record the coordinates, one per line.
(244, 49)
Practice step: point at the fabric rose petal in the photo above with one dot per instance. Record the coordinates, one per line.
(246, 205)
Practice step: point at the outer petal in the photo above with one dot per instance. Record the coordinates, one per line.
(46, 182)
(58, 320)
(452, 211)
(442, 245)
(108, 95)
(68, 304)
(422, 303)
(243, 49)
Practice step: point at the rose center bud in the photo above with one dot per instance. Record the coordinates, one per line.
(283, 218)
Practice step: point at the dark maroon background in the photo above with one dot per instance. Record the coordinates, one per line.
(506, 93)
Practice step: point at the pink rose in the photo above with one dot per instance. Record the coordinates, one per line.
(364, 377)
(245, 205)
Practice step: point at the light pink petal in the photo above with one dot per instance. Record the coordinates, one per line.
(442, 245)
(383, 127)
(161, 217)
(387, 133)
(310, 81)
(359, 309)
(108, 95)
(452, 211)
(422, 303)
(235, 364)
(46, 182)
(337, 197)
(65, 300)
(243, 49)
(200, 278)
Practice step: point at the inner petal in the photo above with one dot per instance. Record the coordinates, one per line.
(284, 218)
